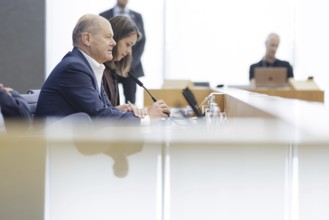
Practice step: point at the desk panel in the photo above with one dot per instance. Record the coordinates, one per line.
(228, 181)
(175, 98)
(313, 181)
(22, 175)
(308, 95)
(107, 180)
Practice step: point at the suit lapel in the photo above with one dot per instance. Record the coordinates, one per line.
(132, 15)
(104, 97)
(111, 13)
(77, 52)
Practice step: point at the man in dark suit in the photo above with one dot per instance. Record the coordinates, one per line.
(13, 106)
(75, 83)
(129, 85)
(269, 60)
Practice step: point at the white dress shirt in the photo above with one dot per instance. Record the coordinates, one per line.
(97, 68)
(120, 11)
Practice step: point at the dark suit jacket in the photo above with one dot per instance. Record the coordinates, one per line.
(138, 49)
(14, 106)
(72, 87)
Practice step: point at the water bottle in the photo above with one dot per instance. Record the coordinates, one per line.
(212, 112)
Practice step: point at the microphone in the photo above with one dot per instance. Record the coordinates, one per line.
(141, 85)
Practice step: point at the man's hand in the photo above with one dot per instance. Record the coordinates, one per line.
(6, 89)
(141, 113)
(159, 109)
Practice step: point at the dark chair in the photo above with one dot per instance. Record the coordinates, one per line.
(72, 120)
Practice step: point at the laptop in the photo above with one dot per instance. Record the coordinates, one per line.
(271, 77)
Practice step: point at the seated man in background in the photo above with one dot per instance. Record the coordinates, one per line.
(269, 60)
(13, 106)
(75, 84)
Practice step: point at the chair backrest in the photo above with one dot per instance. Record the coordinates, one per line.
(32, 99)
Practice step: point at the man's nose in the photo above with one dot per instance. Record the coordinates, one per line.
(113, 43)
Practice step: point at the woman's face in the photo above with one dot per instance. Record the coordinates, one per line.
(124, 46)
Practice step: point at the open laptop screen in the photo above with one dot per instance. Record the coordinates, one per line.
(271, 76)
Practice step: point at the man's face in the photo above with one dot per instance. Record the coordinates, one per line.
(272, 45)
(102, 43)
(122, 3)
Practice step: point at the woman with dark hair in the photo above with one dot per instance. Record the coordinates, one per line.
(126, 34)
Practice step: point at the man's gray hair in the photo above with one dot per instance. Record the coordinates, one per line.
(87, 23)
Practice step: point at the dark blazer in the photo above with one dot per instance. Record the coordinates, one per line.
(72, 87)
(14, 106)
(138, 49)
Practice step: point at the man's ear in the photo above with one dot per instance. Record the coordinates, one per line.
(86, 39)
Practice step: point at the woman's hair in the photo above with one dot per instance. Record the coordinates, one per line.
(122, 27)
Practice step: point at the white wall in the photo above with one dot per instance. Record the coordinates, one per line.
(218, 41)
(312, 43)
(214, 42)
(61, 18)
